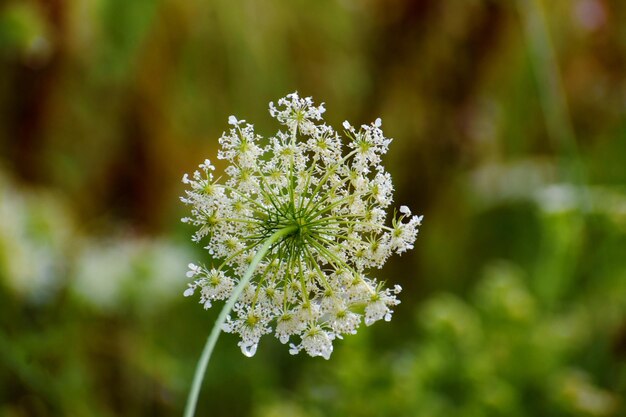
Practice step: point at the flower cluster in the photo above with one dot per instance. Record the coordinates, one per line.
(331, 202)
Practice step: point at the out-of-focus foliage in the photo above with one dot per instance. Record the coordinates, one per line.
(514, 300)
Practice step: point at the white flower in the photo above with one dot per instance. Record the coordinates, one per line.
(316, 342)
(298, 113)
(331, 202)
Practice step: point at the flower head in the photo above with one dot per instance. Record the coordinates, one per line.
(313, 285)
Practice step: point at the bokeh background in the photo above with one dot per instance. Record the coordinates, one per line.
(509, 128)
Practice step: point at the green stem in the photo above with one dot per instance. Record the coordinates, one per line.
(192, 400)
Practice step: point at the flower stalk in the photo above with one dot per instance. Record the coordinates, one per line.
(192, 399)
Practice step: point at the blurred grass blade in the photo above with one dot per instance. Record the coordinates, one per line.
(550, 88)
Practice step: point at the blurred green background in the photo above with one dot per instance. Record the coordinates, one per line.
(510, 137)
